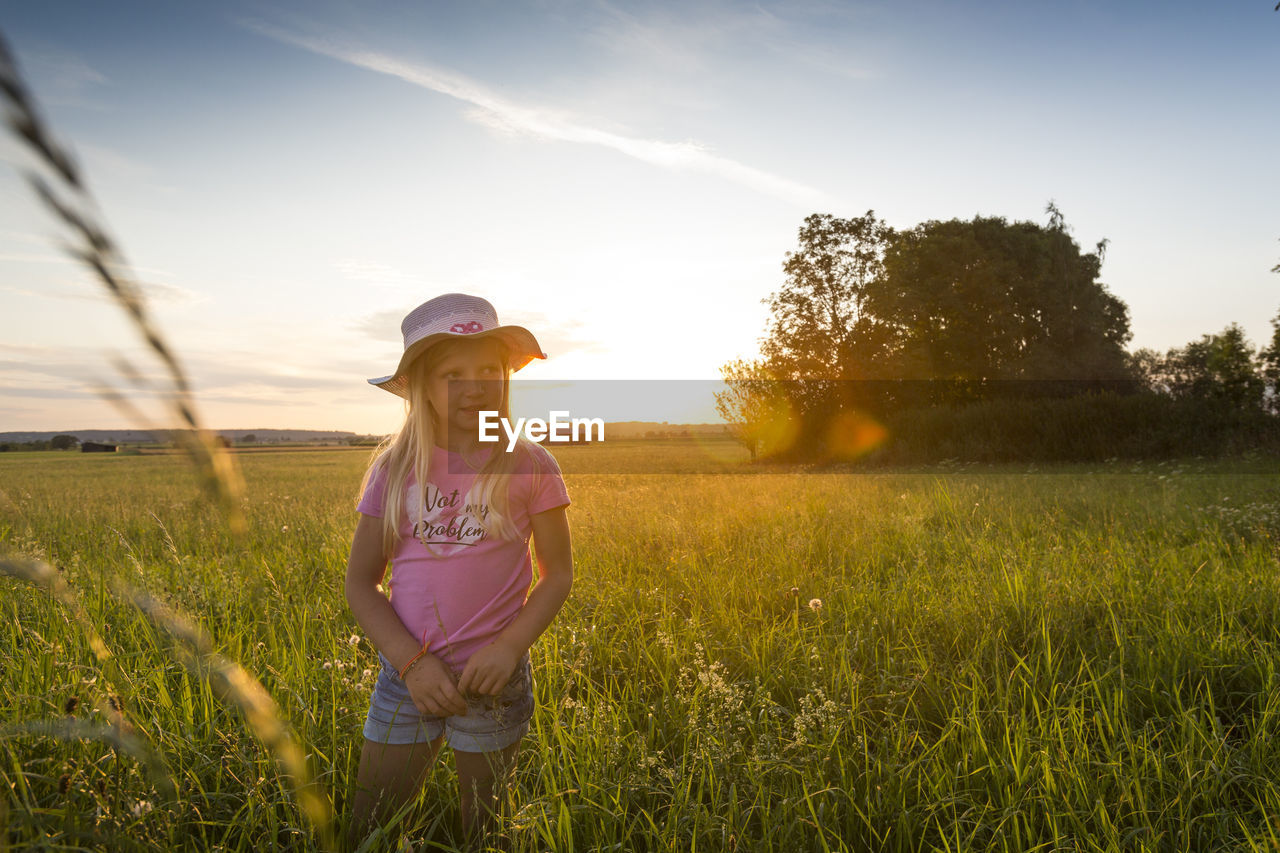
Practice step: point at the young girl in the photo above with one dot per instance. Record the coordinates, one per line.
(454, 517)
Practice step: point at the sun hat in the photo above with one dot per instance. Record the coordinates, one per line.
(456, 315)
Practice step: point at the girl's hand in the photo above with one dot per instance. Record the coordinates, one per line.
(432, 689)
(489, 670)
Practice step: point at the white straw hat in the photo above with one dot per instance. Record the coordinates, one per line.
(456, 315)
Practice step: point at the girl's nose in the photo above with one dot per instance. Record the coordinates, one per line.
(472, 387)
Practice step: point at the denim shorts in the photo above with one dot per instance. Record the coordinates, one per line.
(490, 724)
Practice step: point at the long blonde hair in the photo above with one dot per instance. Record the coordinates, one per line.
(409, 452)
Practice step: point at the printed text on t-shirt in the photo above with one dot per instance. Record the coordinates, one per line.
(444, 522)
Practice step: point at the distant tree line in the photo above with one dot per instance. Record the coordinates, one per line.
(57, 442)
(1222, 369)
(877, 331)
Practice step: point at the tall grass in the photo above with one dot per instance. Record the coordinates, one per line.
(1083, 659)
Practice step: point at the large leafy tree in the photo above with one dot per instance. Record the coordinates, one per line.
(980, 299)
(972, 300)
(820, 327)
(989, 299)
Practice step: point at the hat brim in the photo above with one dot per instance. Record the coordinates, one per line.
(522, 348)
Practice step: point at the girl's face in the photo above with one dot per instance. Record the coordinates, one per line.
(468, 378)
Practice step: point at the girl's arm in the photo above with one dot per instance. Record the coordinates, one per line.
(429, 683)
(489, 669)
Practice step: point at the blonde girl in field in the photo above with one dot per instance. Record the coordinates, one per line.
(453, 517)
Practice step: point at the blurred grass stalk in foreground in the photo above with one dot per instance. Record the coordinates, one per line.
(64, 192)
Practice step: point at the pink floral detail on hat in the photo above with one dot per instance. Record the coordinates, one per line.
(466, 328)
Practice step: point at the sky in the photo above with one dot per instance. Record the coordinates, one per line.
(289, 179)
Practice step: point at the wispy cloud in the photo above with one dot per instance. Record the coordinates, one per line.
(26, 366)
(75, 291)
(45, 393)
(383, 326)
(557, 337)
(506, 115)
(694, 38)
(63, 78)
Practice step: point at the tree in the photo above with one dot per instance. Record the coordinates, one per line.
(1221, 368)
(1146, 366)
(976, 300)
(988, 299)
(63, 442)
(756, 408)
(820, 335)
(819, 326)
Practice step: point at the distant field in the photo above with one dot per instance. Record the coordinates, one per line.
(1075, 658)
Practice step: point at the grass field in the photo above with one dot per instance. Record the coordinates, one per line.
(1077, 658)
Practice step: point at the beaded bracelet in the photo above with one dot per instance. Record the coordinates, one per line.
(405, 669)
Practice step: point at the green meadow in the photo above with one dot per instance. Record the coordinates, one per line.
(948, 658)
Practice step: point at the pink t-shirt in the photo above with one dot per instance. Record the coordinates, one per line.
(454, 585)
